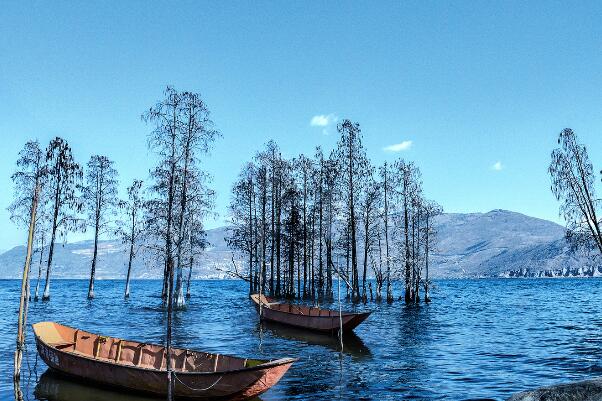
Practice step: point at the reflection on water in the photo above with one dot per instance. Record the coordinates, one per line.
(55, 387)
(352, 343)
(477, 339)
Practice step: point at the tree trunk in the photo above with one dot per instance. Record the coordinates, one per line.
(169, 259)
(304, 235)
(35, 297)
(387, 261)
(320, 239)
(256, 236)
(23, 302)
(426, 261)
(180, 300)
(264, 201)
(250, 237)
(179, 289)
(355, 284)
(406, 225)
(57, 205)
(189, 273)
(329, 261)
(165, 281)
(366, 241)
(278, 233)
(46, 294)
(127, 279)
(95, 255)
(312, 257)
(272, 222)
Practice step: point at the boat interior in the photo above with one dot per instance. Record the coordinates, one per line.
(133, 353)
(296, 309)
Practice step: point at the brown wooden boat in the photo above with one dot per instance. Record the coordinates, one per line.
(142, 367)
(307, 317)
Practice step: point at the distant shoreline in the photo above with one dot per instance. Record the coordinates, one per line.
(504, 278)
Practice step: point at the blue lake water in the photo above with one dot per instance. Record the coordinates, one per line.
(477, 339)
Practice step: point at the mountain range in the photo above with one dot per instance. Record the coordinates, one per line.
(498, 243)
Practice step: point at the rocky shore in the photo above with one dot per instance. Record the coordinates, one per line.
(587, 390)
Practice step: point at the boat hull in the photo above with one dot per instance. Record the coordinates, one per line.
(294, 316)
(240, 384)
(326, 324)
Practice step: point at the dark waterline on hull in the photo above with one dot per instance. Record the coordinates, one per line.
(477, 339)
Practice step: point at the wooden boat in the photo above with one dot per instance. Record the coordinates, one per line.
(142, 367)
(307, 317)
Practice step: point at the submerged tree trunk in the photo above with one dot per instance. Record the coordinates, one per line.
(304, 235)
(387, 259)
(427, 297)
(278, 233)
(406, 225)
(165, 282)
(35, 297)
(127, 280)
(179, 289)
(320, 240)
(272, 223)
(366, 242)
(379, 275)
(46, 295)
(250, 236)
(189, 273)
(93, 269)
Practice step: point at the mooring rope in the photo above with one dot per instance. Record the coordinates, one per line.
(197, 389)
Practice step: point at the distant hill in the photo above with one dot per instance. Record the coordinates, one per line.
(499, 243)
(502, 243)
(73, 260)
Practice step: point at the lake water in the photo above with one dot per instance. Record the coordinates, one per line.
(477, 339)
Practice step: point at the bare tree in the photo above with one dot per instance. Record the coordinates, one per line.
(132, 228)
(369, 204)
(315, 205)
(386, 184)
(406, 177)
(573, 185)
(28, 180)
(196, 134)
(201, 201)
(163, 140)
(100, 200)
(64, 175)
(241, 236)
(351, 154)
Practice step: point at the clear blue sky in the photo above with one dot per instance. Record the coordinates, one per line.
(470, 84)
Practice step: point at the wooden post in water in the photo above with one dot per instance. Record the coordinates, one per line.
(24, 300)
(170, 293)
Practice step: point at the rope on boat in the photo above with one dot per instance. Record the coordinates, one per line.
(197, 389)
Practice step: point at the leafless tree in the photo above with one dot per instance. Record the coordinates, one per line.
(64, 176)
(573, 179)
(100, 201)
(28, 180)
(131, 228)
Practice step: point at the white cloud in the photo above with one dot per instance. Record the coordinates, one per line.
(497, 166)
(323, 120)
(398, 147)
